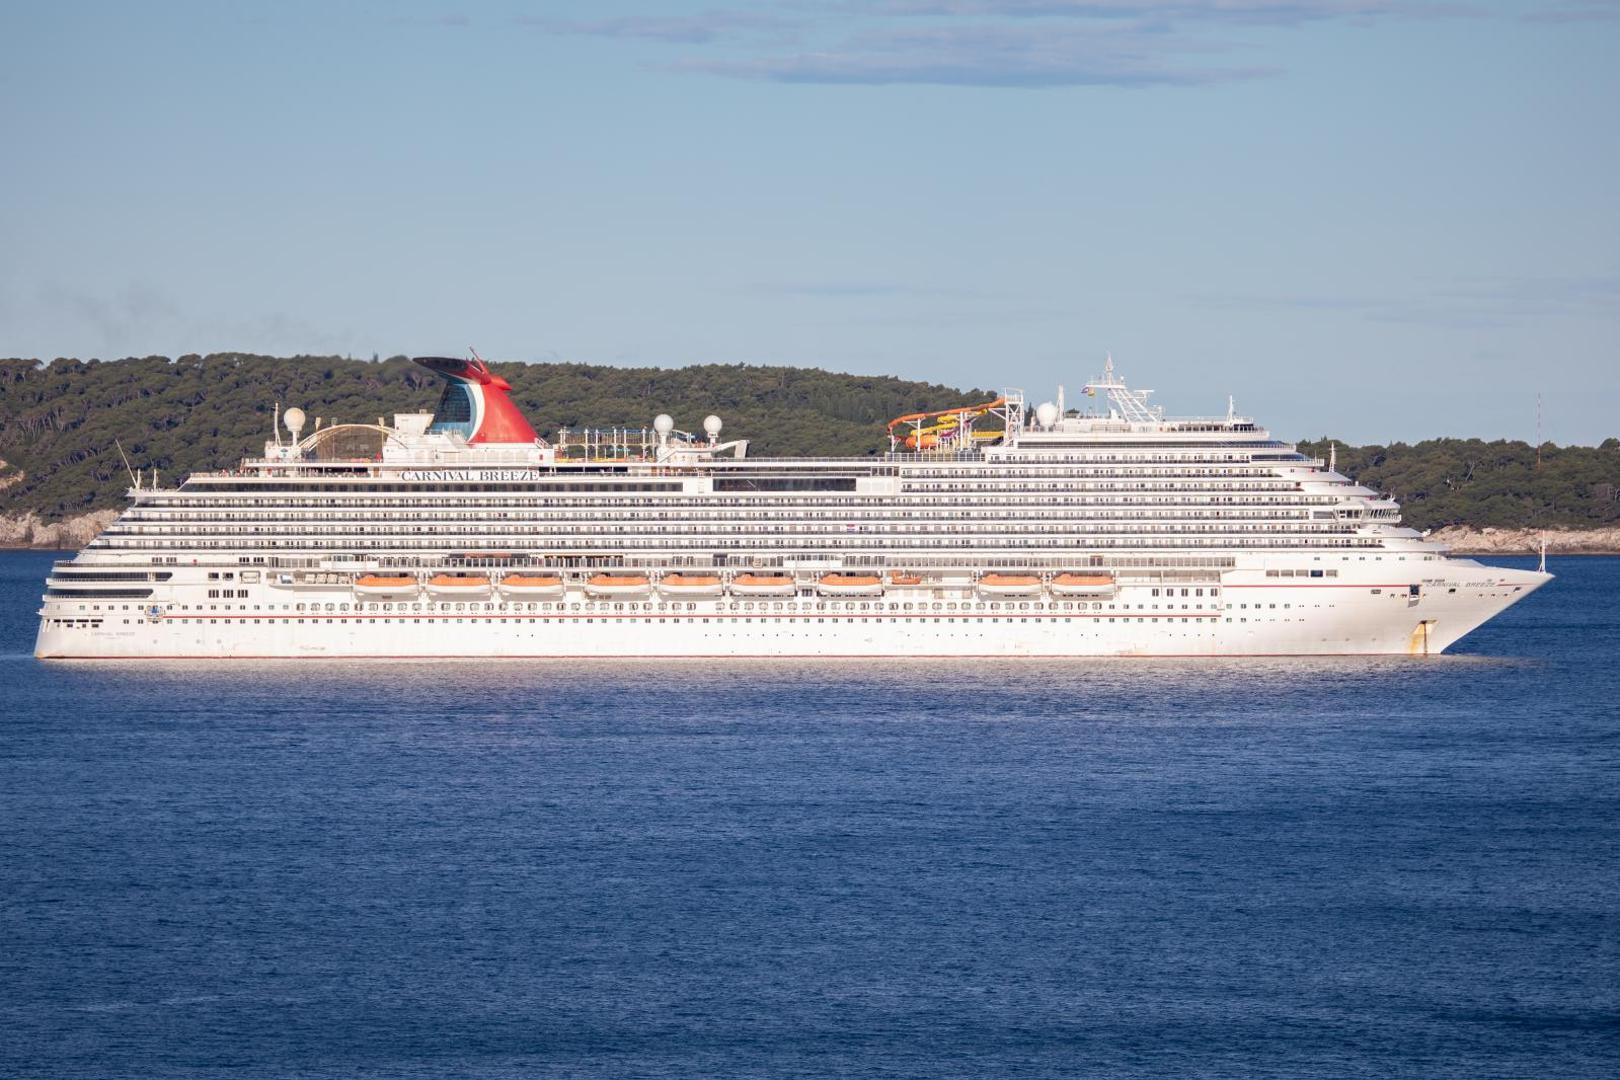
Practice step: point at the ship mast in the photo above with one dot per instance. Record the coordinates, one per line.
(1131, 404)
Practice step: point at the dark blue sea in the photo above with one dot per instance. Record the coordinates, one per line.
(1126, 868)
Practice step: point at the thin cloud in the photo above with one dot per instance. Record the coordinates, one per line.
(839, 290)
(993, 55)
(992, 43)
(844, 290)
(453, 20)
(1582, 11)
(700, 29)
(1263, 12)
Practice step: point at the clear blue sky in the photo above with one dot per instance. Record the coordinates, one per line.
(1368, 218)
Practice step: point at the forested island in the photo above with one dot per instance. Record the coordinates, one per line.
(61, 422)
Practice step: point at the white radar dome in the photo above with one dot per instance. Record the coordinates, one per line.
(663, 423)
(711, 426)
(1046, 414)
(294, 419)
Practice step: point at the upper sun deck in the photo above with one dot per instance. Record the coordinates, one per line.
(1087, 430)
(1122, 418)
(477, 427)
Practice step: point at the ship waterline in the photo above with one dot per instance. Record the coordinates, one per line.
(1054, 532)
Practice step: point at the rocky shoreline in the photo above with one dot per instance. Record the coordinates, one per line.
(29, 531)
(1467, 540)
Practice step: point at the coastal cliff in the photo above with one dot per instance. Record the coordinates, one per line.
(1467, 540)
(28, 530)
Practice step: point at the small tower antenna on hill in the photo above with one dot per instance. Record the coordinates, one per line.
(1538, 432)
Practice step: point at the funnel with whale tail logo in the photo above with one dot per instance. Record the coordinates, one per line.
(475, 402)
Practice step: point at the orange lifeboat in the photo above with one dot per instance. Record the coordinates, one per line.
(900, 577)
(536, 586)
(1082, 585)
(1010, 584)
(621, 586)
(762, 585)
(850, 585)
(461, 585)
(384, 585)
(690, 585)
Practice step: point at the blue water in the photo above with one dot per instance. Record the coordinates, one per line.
(1127, 868)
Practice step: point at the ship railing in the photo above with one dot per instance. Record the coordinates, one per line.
(260, 467)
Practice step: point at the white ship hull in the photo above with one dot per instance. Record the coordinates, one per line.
(1251, 617)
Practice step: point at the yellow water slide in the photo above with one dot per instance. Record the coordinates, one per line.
(942, 425)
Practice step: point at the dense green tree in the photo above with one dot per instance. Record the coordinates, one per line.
(1472, 482)
(61, 422)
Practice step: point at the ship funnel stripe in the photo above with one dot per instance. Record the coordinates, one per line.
(491, 415)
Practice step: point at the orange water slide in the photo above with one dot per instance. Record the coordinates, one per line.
(925, 437)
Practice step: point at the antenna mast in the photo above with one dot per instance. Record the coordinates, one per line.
(133, 479)
(1538, 432)
(1131, 404)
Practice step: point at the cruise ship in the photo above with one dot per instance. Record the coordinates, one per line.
(999, 529)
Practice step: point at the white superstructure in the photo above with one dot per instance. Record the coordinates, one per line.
(1060, 533)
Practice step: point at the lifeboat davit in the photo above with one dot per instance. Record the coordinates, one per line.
(458, 585)
(1082, 585)
(384, 585)
(690, 585)
(1010, 584)
(762, 585)
(620, 586)
(532, 586)
(850, 585)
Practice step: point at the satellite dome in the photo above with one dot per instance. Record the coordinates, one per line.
(711, 426)
(294, 419)
(663, 423)
(1046, 414)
